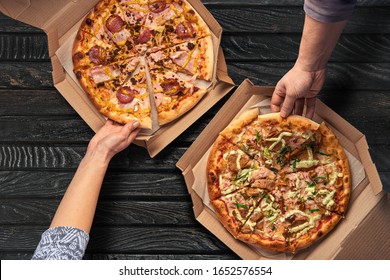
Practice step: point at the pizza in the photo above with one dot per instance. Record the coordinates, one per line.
(279, 184)
(137, 57)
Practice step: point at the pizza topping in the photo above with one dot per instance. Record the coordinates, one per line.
(157, 6)
(114, 23)
(97, 55)
(185, 30)
(126, 94)
(171, 86)
(145, 36)
(101, 74)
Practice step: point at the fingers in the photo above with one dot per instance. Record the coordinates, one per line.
(298, 107)
(288, 106)
(310, 106)
(277, 98)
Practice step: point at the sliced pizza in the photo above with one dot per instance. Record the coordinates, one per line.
(174, 94)
(195, 58)
(234, 209)
(230, 169)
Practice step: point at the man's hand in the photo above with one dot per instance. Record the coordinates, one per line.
(113, 138)
(296, 88)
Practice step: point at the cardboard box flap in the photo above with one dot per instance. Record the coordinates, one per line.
(371, 170)
(14, 8)
(51, 16)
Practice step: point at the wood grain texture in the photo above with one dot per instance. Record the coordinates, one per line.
(144, 210)
(23, 47)
(284, 47)
(49, 184)
(127, 212)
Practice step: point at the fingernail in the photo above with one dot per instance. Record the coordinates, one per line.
(136, 124)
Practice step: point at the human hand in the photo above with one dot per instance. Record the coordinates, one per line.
(113, 138)
(295, 88)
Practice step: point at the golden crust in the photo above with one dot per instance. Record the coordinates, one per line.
(223, 214)
(184, 106)
(322, 229)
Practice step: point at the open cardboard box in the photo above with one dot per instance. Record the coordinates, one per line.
(365, 231)
(61, 19)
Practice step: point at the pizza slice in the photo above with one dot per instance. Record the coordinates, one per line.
(195, 58)
(107, 23)
(230, 169)
(174, 94)
(169, 23)
(305, 226)
(119, 90)
(109, 76)
(265, 227)
(235, 208)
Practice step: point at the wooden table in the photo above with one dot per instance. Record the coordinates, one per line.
(144, 211)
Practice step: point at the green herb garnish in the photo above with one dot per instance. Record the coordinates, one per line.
(239, 205)
(258, 136)
(324, 154)
(314, 210)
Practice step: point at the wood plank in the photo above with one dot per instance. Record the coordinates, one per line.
(284, 47)
(26, 75)
(35, 102)
(27, 47)
(287, 19)
(21, 157)
(372, 76)
(123, 240)
(52, 184)
(108, 213)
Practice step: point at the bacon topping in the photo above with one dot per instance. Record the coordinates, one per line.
(185, 30)
(171, 86)
(157, 6)
(114, 23)
(126, 94)
(145, 36)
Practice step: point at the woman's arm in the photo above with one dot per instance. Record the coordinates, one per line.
(78, 205)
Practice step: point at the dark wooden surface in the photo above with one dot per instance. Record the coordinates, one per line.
(144, 211)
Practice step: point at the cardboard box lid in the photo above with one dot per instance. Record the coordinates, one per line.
(363, 200)
(45, 14)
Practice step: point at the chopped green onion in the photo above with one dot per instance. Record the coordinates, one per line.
(239, 205)
(314, 210)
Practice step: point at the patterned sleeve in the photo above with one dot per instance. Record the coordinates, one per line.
(62, 243)
(329, 10)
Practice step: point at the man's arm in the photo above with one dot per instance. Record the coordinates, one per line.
(324, 22)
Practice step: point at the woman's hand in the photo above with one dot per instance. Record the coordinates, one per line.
(113, 138)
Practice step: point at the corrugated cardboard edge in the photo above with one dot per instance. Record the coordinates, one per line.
(363, 202)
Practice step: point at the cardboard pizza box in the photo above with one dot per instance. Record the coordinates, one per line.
(364, 233)
(61, 19)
